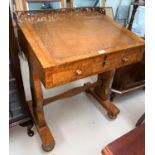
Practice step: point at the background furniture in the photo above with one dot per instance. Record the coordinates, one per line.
(130, 77)
(132, 143)
(63, 2)
(18, 109)
(135, 4)
(22, 5)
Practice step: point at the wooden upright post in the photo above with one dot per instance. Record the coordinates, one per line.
(71, 3)
(102, 93)
(63, 3)
(102, 3)
(24, 5)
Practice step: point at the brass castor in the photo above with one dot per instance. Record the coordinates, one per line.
(112, 116)
(48, 148)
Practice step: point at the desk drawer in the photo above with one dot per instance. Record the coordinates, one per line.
(93, 66)
(79, 70)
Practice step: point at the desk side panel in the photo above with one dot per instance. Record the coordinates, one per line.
(27, 50)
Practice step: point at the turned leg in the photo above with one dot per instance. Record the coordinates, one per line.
(36, 108)
(102, 93)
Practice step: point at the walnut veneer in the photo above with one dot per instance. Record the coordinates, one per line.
(69, 44)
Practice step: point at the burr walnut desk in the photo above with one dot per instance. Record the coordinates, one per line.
(70, 44)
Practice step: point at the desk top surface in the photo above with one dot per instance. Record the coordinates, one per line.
(72, 37)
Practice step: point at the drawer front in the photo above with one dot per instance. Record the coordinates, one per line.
(79, 70)
(93, 66)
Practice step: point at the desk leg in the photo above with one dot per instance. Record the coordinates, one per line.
(38, 114)
(102, 93)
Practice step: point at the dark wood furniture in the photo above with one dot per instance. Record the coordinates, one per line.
(69, 44)
(130, 77)
(18, 109)
(135, 6)
(132, 143)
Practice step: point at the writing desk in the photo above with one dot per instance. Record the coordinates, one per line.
(70, 44)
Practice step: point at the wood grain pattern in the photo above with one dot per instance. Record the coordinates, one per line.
(47, 139)
(71, 3)
(92, 37)
(16, 84)
(24, 4)
(36, 108)
(56, 45)
(70, 44)
(71, 92)
(96, 65)
(102, 92)
(130, 77)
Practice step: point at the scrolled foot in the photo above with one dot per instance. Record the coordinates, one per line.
(48, 148)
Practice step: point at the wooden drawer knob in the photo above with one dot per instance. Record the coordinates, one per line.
(78, 72)
(125, 60)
